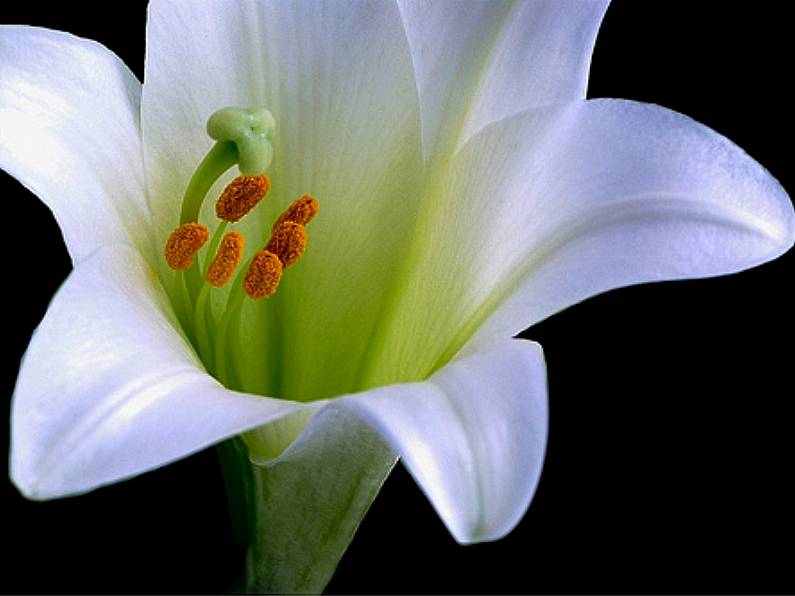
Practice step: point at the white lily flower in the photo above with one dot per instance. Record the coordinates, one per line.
(460, 204)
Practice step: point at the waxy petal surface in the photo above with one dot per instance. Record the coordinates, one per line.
(546, 208)
(69, 132)
(129, 396)
(473, 435)
(109, 388)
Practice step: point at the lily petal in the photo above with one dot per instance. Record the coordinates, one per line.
(109, 389)
(69, 120)
(659, 197)
(478, 62)
(551, 206)
(473, 435)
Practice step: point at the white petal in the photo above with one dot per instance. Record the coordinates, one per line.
(478, 62)
(109, 389)
(549, 207)
(473, 435)
(69, 121)
(339, 81)
(633, 193)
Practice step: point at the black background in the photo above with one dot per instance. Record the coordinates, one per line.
(670, 449)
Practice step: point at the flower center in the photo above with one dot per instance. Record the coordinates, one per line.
(243, 138)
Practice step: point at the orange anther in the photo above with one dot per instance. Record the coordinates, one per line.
(302, 211)
(288, 242)
(263, 275)
(226, 259)
(183, 244)
(241, 196)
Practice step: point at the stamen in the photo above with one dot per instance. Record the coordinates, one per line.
(263, 275)
(241, 196)
(226, 260)
(302, 211)
(184, 243)
(288, 242)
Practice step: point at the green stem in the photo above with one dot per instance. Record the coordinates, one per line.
(298, 514)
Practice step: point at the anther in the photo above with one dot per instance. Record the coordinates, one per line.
(241, 196)
(263, 275)
(183, 244)
(288, 242)
(302, 211)
(226, 259)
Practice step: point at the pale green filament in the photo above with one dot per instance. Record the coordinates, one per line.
(215, 241)
(230, 321)
(203, 324)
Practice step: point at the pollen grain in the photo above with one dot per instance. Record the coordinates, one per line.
(301, 211)
(263, 275)
(183, 244)
(288, 242)
(241, 196)
(226, 260)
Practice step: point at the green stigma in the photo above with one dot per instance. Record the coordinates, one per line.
(251, 130)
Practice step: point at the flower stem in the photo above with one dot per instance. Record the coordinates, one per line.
(298, 513)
